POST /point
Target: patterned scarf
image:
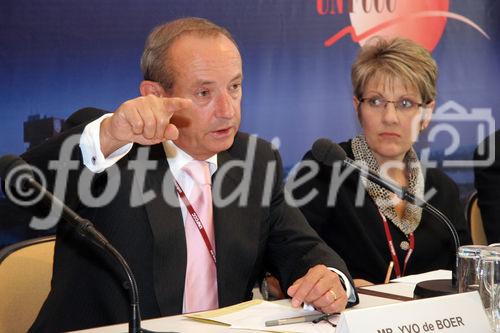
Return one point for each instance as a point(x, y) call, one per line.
point(382, 198)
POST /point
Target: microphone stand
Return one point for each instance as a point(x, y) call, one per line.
point(86, 229)
point(429, 288)
point(432, 288)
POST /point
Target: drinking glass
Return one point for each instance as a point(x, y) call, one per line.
point(489, 285)
point(468, 257)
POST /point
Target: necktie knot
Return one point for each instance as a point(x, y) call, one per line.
point(199, 172)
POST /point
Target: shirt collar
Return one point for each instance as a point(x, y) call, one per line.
point(178, 158)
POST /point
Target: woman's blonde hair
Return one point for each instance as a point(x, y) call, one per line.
point(395, 58)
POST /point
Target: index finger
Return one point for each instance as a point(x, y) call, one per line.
point(304, 287)
point(174, 104)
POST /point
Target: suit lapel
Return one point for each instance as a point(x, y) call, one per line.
point(224, 218)
point(167, 226)
point(234, 226)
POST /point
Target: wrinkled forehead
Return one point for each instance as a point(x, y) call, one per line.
point(385, 81)
point(194, 57)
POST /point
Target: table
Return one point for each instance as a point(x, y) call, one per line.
point(182, 324)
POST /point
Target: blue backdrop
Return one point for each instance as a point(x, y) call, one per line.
point(58, 56)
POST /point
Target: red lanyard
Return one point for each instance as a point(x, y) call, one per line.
point(390, 243)
point(196, 220)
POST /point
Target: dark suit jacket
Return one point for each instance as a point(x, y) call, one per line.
point(487, 182)
point(357, 233)
point(150, 236)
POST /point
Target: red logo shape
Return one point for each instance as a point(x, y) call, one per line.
point(422, 21)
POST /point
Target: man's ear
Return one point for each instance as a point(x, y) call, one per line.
point(151, 88)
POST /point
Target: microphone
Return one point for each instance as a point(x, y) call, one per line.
point(328, 152)
point(18, 174)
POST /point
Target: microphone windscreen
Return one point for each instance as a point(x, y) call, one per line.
point(327, 152)
point(10, 162)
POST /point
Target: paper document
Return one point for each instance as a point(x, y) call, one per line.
point(405, 286)
point(401, 289)
point(253, 315)
point(417, 278)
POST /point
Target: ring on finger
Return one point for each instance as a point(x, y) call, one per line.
point(333, 294)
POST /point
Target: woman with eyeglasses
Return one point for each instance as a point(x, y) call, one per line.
point(394, 85)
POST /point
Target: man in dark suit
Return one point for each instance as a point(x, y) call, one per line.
point(190, 102)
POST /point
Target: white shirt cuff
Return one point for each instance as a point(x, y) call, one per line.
point(90, 146)
point(349, 289)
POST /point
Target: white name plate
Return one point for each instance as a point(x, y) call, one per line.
point(462, 313)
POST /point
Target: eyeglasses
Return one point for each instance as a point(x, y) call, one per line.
point(378, 103)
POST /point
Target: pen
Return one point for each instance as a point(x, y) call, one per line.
point(389, 272)
point(294, 320)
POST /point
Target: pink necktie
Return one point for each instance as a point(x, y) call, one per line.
point(200, 290)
